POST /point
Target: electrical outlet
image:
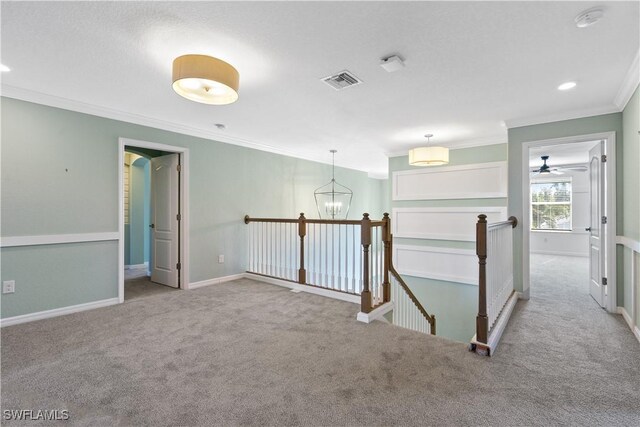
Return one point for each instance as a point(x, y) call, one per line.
point(8, 286)
point(220, 259)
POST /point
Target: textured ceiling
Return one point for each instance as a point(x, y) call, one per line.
point(470, 67)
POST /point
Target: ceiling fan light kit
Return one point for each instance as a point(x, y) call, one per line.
point(545, 169)
point(205, 79)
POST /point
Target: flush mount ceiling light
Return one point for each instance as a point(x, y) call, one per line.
point(205, 79)
point(567, 86)
point(589, 17)
point(428, 156)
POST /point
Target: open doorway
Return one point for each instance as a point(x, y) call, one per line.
point(569, 219)
point(153, 204)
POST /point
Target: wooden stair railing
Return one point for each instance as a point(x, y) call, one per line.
point(493, 294)
point(304, 251)
point(335, 262)
point(431, 319)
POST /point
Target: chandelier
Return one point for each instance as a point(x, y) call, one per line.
point(333, 199)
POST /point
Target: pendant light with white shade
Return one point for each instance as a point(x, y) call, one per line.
point(429, 156)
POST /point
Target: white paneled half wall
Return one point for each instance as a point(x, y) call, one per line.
point(453, 223)
point(452, 265)
point(474, 181)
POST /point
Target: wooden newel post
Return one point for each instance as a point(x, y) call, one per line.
point(302, 231)
point(386, 239)
point(482, 322)
point(365, 240)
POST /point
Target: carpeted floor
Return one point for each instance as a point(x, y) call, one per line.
point(254, 354)
point(142, 287)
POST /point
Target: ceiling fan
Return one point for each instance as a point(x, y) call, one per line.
point(546, 169)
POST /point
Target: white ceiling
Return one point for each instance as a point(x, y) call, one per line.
point(470, 67)
point(562, 154)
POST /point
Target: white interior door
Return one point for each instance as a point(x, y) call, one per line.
point(597, 247)
point(165, 251)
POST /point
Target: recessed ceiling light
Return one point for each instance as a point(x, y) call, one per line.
point(567, 86)
point(589, 17)
point(4, 68)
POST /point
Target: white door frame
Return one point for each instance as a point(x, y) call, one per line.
point(184, 207)
point(611, 303)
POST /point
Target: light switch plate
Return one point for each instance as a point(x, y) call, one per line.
point(220, 259)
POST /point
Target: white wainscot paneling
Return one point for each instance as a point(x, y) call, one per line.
point(574, 243)
point(452, 265)
point(475, 181)
point(454, 223)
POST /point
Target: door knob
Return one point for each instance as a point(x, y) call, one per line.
point(587, 229)
point(152, 226)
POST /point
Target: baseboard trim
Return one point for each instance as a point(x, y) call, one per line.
point(136, 266)
point(355, 299)
point(215, 281)
point(376, 313)
point(493, 340)
point(24, 318)
point(627, 318)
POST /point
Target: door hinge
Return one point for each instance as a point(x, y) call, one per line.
point(603, 158)
point(178, 266)
point(178, 217)
point(604, 219)
point(604, 281)
point(179, 168)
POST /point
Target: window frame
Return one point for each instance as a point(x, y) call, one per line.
point(548, 180)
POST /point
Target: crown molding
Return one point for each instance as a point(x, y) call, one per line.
point(567, 115)
point(378, 175)
point(109, 113)
point(457, 145)
point(629, 84)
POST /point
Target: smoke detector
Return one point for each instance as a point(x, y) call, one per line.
point(589, 17)
point(392, 63)
point(342, 80)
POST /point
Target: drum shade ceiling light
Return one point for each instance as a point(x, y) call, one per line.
point(429, 156)
point(205, 79)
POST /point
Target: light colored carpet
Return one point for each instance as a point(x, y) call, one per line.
point(142, 287)
point(247, 353)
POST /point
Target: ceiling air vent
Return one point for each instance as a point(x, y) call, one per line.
point(342, 80)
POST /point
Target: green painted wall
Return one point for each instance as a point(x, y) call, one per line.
point(630, 190)
point(566, 128)
point(53, 276)
point(455, 305)
point(59, 176)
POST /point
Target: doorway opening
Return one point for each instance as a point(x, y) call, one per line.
point(153, 204)
point(569, 219)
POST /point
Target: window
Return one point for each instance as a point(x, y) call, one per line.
point(551, 204)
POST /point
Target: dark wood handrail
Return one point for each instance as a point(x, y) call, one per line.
point(248, 219)
point(512, 221)
point(430, 318)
